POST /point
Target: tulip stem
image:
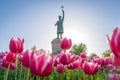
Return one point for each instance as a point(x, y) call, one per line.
point(83, 75)
point(20, 70)
point(63, 76)
point(27, 77)
point(91, 77)
point(60, 76)
point(63, 73)
point(38, 78)
point(16, 56)
point(6, 73)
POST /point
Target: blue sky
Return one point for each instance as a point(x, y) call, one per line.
point(86, 21)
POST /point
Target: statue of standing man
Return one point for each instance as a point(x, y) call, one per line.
point(59, 25)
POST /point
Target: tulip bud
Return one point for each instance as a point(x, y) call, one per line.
point(113, 76)
point(26, 58)
point(16, 45)
point(83, 55)
point(12, 66)
point(4, 62)
point(10, 57)
point(65, 58)
point(20, 57)
point(59, 68)
point(65, 43)
point(40, 63)
point(90, 68)
point(56, 61)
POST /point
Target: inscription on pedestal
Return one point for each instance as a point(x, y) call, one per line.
point(56, 46)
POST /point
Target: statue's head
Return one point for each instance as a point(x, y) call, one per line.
point(59, 17)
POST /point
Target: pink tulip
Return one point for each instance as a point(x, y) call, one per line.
point(60, 68)
point(112, 68)
point(116, 61)
point(106, 61)
point(74, 65)
point(2, 54)
point(70, 66)
point(65, 58)
point(113, 76)
point(77, 64)
point(12, 66)
point(73, 57)
point(20, 57)
point(65, 43)
point(89, 59)
point(114, 42)
point(10, 57)
point(26, 58)
point(16, 45)
point(90, 68)
point(97, 60)
point(0, 65)
point(56, 61)
point(41, 64)
point(83, 55)
point(4, 62)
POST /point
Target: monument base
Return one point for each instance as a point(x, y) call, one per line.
point(56, 46)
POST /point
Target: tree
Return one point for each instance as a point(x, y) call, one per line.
point(77, 49)
point(33, 48)
point(93, 55)
point(107, 53)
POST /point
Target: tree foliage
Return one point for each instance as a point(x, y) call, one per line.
point(93, 55)
point(107, 53)
point(77, 49)
point(33, 48)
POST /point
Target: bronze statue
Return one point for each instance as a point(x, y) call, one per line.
point(59, 24)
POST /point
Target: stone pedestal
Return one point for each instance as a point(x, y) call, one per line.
point(56, 46)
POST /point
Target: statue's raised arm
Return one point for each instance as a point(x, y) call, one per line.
point(63, 13)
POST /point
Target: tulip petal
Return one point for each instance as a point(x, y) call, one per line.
point(113, 47)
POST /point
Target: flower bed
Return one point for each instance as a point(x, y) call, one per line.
point(39, 65)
